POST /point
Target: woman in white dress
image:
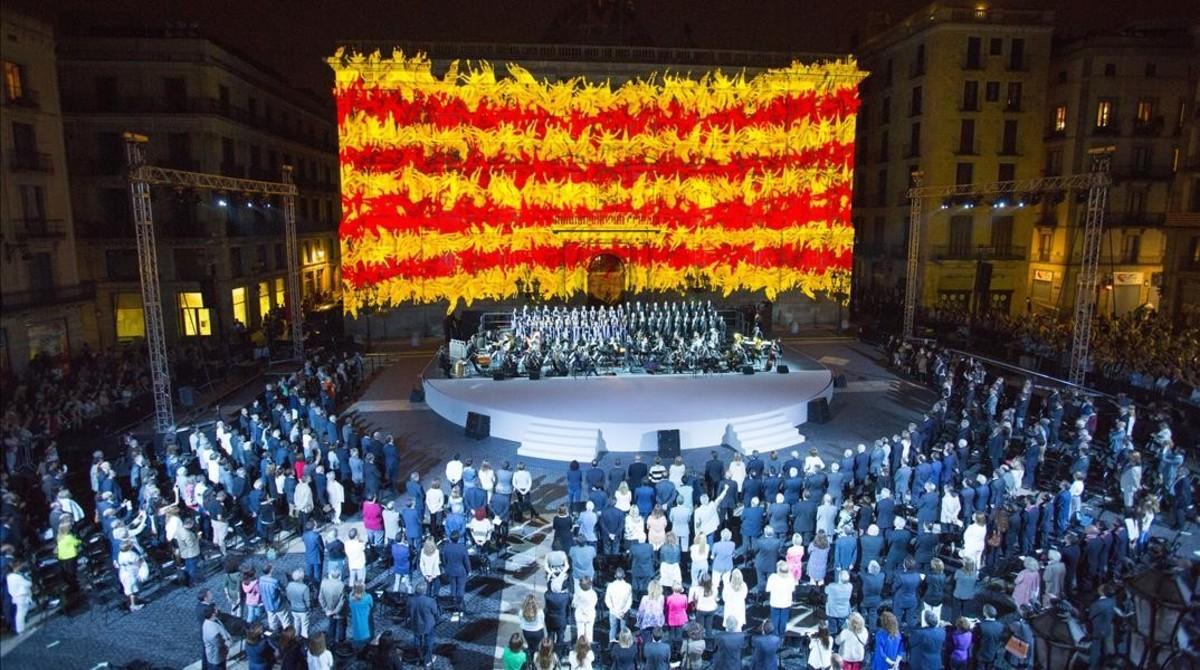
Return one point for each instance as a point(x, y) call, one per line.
point(337, 496)
point(676, 471)
point(635, 526)
point(129, 563)
point(737, 471)
point(430, 565)
point(733, 599)
point(699, 554)
point(975, 539)
point(623, 497)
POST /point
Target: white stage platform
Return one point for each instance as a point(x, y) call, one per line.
point(565, 418)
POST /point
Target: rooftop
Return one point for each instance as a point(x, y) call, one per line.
point(885, 32)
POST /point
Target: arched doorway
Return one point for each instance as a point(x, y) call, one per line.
point(605, 280)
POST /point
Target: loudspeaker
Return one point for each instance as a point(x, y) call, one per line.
point(818, 410)
point(479, 426)
point(668, 443)
point(535, 375)
point(781, 369)
point(416, 395)
point(747, 369)
point(499, 376)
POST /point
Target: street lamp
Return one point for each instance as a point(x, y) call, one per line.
point(1161, 596)
point(1058, 637)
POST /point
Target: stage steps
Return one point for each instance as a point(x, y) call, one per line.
point(560, 441)
point(762, 433)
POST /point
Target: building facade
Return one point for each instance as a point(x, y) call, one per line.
point(46, 308)
point(957, 94)
point(1127, 90)
point(204, 108)
point(1181, 263)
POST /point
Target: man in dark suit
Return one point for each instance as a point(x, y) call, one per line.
point(730, 645)
point(637, 471)
point(714, 471)
point(616, 475)
point(766, 649)
point(656, 654)
point(991, 632)
point(314, 552)
point(423, 612)
point(456, 566)
point(765, 558)
point(1100, 619)
point(925, 644)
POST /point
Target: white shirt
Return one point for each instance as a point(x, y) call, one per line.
point(430, 565)
point(704, 603)
point(819, 656)
point(356, 554)
point(19, 586)
point(522, 481)
point(779, 588)
point(322, 662)
point(618, 597)
point(951, 506)
point(337, 493)
point(454, 471)
point(811, 463)
point(675, 474)
point(851, 646)
point(735, 602)
point(435, 500)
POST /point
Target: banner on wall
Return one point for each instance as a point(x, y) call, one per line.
point(1127, 278)
point(457, 187)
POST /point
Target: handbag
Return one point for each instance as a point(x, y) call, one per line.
point(143, 572)
point(1017, 647)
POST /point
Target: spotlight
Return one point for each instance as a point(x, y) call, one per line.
point(222, 203)
point(249, 205)
point(968, 204)
point(1000, 203)
point(945, 204)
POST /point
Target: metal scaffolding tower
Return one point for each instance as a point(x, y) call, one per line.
point(141, 177)
point(1096, 182)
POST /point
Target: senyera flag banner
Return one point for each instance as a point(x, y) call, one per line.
point(470, 185)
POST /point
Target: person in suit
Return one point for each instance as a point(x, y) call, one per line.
point(730, 645)
point(656, 654)
point(766, 649)
point(991, 633)
point(314, 552)
point(1100, 619)
point(423, 613)
point(456, 566)
point(925, 644)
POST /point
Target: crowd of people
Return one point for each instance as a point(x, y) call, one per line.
point(929, 548)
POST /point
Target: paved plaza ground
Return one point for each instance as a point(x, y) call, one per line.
point(166, 632)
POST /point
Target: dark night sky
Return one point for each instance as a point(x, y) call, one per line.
point(292, 37)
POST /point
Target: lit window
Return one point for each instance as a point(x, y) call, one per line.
point(1145, 111)
point(264, 299)
point(14, 81)
point(194, 314)
point(279, 294)
point(1060, 118)
point(238, 296)
point(1104, 113)
point(130, 319)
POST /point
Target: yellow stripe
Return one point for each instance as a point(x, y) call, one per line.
point(594, 146)
point(713, 92)
point(449, 188)
point(383, 245)
point(498, 284)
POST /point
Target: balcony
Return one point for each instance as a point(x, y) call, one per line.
point(27, 99)
point(1055, 134)
point(1130, 172)
point(31, 161)
point(1111, 129)
point(39, 228)
point(1132, 220)
point(45, 297)
point(957, 252)
point(1149, 128)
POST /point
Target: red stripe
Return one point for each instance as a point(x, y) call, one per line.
point(397, 212)
point(391, 160)
point(574, 255)
point(447, 111)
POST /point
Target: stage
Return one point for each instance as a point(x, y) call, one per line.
point(565, 418)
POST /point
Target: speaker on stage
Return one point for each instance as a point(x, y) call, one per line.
point(499, 376)
point(818, 410)
point(747, 369)
point(668, 443)
point(535, 375)
point(479, 426)
point(781, 369)
point(417, 394)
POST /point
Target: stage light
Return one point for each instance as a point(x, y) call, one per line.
point(946, 204)
point(1000, 204)
point(249, 205)
point(221, 202)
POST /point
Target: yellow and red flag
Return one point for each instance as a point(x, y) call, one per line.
point(456, 187)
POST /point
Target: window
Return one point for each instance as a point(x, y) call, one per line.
point(280, 257)
point(1145, 111)
point(121, 265)
point(33, 206)
point(228, 156)
point(915, 108)
point(960, 236)
point(991, 92)
point(1045, 245)
point(1002, 235)
point(885, 111)
point(193, 315)
point(1176, 156)
point(1104, 114)
point(129, 317)
point(1137, 203)
point(1141, 159)
point(235, 263)
point(966, 136)
point(1054, 161)
point(238, 297)
point(264, 299)
point(919, 61)
point(881, 194)
point(964, 173)
point(175, 92)
point(1008, 142)
point(1060, 119)
point(970, 98)
point(996, 47)
point(223, 97)
point(887, 73)
point(974, 60)
point(1012, 102)
point(191, 264)
point(1006, 172)
point(280, 296)
point(1016, 55)
point(14, 82)
point(24, 144)
point(1131, 248)
point(1181, 117)
point(1151, 70)
point(1110, 69)
point(883, 146)
point(179, 150)
point(914, 140)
